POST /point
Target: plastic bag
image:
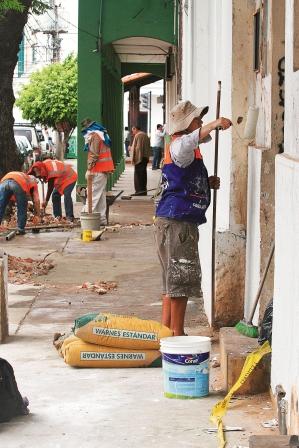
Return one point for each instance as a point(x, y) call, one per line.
point(265, 329)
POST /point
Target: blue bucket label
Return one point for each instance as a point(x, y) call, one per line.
point(185, 359)
point(186, 375)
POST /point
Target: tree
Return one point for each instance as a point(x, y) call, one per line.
point(13, 17)
point(50, 98)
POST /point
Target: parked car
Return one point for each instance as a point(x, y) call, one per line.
point(25, 151)
point(28, 130)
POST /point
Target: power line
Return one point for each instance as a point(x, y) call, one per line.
point(77, 27)
point(28, 37)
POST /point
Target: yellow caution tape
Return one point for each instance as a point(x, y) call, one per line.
point(219, 410)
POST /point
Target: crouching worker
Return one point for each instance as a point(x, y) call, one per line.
point(184, 201)
point(22, 187)
point(61, 179)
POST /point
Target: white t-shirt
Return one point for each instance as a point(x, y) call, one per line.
point(159, 139)
point(182, 148)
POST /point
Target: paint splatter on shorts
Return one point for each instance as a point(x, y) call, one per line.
point(177, 247)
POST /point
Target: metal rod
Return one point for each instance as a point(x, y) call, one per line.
point(213, 264)
point(43, 212)
point(257, 297)
point(11, 235)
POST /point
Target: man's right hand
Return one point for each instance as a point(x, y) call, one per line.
point(223, 123)
point(87, 174)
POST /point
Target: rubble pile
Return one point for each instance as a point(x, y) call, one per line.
point(100, 287)
point(46, 220)
point(23, 270)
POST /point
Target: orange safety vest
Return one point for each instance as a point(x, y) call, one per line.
point(24, 180)
point(104, 163)
point(62, 173)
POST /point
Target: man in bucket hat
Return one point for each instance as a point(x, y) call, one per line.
point(184, 201)
point(99, 164)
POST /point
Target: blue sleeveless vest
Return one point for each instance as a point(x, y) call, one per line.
point(185, 191)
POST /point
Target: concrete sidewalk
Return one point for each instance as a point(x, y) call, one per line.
point(115, 408)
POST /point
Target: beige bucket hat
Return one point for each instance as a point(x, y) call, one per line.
point(182, 115)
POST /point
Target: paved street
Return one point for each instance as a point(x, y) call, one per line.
point(118, 408)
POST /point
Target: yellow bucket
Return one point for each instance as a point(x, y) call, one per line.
point(87, 235)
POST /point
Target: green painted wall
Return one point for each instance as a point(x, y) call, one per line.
point(89, 74)
point(100, 90)
point(147, 18)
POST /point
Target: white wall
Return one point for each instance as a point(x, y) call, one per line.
point(291, 89)
point(285, 356)
point(207, 57)
point(156, 89)
point(253, 230)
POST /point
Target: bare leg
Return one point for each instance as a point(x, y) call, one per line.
point(166, 304)
point(177, 311)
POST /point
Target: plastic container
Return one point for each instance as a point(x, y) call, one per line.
point(90, 221)
point(185, 361)
point(86, 235)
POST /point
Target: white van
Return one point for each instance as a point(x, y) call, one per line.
point(28, 130)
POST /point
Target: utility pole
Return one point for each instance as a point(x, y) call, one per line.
point(55, 31)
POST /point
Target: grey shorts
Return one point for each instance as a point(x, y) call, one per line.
point(177, 247)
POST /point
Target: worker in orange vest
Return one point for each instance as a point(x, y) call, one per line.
point(99, 164)
point(22, 187)
point(61, 179)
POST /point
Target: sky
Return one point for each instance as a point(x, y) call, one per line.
point(69, 21)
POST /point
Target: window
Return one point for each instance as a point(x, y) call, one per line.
point(256, 40)
point(21, 59)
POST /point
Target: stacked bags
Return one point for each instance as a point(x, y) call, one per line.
point(109, 340)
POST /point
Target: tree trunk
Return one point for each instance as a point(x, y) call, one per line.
point(11, 32)
point(66, 129)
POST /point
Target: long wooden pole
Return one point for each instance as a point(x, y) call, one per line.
point(213, 265)
point(89, 194)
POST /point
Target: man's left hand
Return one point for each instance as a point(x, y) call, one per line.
point(214, 182)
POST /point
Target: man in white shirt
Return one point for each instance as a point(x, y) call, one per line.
point(158, 146)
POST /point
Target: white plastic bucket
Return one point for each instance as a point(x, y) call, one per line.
point(185, 361)
point(90, 221)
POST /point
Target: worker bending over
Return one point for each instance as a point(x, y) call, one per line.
point(61, 180)
point(22, 187)
point(184, 201)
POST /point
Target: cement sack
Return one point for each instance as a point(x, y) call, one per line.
point(113, 330)
point(78, 353)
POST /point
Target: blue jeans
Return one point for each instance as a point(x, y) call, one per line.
point(9, 188)
point(68, 202)
point(127, 144)
point(157, 155)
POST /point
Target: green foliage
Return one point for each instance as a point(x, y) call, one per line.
point(39, 7)
point(14, 5)
point(51, 95)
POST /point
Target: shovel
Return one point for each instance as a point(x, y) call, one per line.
point(128, 197)
point(89, 194)
point(43, 210)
